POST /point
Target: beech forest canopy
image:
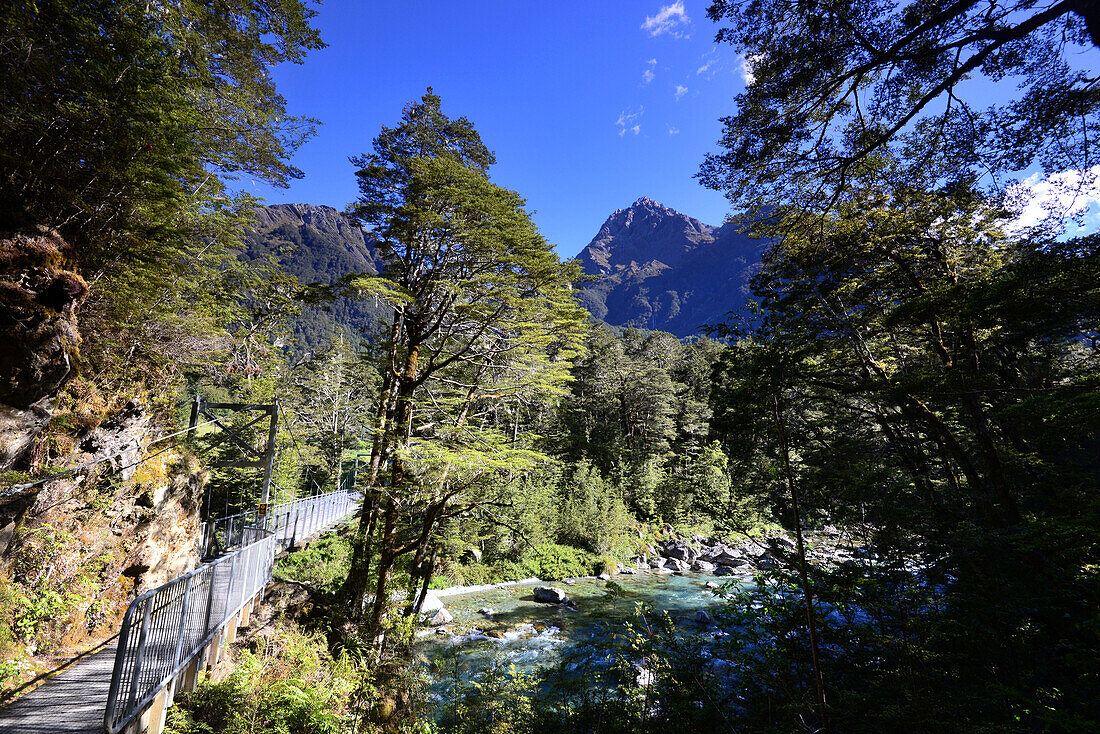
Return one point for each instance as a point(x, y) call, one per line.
point(838, 86)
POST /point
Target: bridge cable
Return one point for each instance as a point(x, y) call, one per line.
point(85, 465)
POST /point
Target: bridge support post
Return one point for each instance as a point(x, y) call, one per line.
point(231, 630)
point(189, 677)
point(158, 712)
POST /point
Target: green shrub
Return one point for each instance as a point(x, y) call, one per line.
point(293, 686)
point(548, 561)
point(325, 563)
point(552, 562)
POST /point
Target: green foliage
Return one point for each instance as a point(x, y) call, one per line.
point(324, 564)
point(549, 562)
point(484, 324)
point(916, 356)
point(292, 687)
point(593, 514)
point(119, 118)
point(839, 91)
point(498, 702)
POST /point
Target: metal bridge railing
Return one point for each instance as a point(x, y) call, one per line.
point(166, 628)
point(290, 521)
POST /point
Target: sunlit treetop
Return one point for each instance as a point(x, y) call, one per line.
point(975, 90)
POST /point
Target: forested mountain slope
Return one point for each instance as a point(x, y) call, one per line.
point(316, 244)
point(660, 269)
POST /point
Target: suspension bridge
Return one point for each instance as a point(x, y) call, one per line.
point(172, 634)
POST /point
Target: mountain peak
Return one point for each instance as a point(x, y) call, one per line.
point(661, 269)
point(647, 232)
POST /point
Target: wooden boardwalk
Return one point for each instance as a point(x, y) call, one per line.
point(71, 702)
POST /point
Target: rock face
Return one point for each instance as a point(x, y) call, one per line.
point(122, 434)
point(38, 333)
point(18, 429)
point(550, 595)
point(660, 269)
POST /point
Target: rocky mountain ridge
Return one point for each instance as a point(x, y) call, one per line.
point(657, 268)
point(317, 244)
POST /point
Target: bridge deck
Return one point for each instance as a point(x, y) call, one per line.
point(75, 700)
point(72, 702)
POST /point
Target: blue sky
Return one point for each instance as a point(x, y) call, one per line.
point(587, 105)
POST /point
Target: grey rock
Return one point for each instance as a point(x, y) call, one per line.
point(120, 436)
point(39, 340)
point(701, 617)
point(19, 427)
point(550, 595)
point(702, 567)
point(675, 564)
point(441, 618)
point(680, 551)
point(663, 268)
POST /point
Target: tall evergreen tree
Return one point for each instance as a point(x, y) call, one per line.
point(483, 316)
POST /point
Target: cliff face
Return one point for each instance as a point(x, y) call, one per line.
point(659, 269)
point(75, 551)
point(38, 333)
point(316, 243)
point(647, 232)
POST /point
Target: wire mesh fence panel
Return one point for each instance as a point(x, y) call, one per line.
point(289, 521)
point(166, 628)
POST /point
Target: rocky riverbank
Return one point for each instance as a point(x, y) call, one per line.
point(723, 557)
point(678, 555)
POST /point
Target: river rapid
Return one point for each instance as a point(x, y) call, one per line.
point(505, 625)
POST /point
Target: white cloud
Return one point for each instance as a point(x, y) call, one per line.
point(652, 62)
point(709, 59)
point(748, 68)
point(681, 90)
point(647, 76)
point(670, 19)
point(1049, 202)
point(673, 130)
point(628, 121)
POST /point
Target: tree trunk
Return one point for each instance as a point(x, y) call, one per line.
point(807, 593)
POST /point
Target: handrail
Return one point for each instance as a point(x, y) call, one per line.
point(225, 533)
point(166, 628)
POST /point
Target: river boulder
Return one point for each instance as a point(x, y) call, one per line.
point(675, 564)
point(441, 618)
point(550, 595)
point(702, 567)
point(680, 551)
